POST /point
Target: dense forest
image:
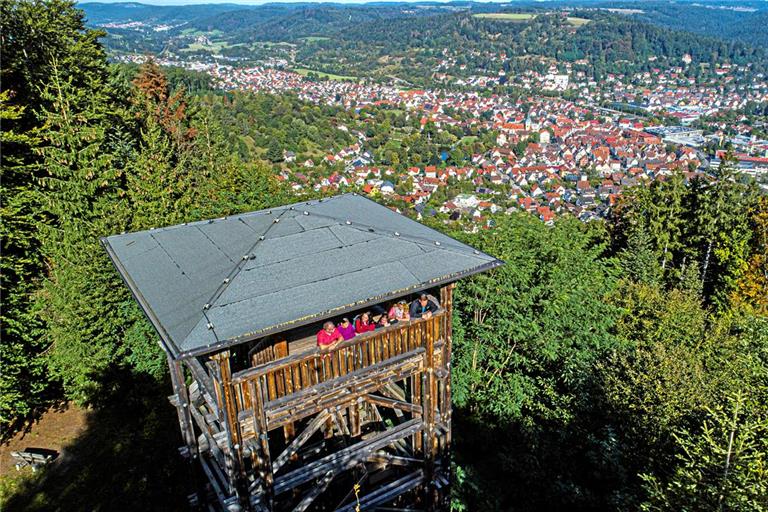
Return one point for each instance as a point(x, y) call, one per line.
point(607, 366)
point(742, 21)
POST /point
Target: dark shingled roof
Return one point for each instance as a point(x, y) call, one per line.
point(206, 285)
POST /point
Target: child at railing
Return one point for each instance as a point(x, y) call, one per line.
point(399, 312)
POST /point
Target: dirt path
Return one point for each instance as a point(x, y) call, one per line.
point(57, 428)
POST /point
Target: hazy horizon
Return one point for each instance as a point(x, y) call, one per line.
point(178, 3)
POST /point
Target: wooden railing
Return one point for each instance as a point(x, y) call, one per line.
point(293, 374)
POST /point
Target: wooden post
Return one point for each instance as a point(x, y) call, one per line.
point(446, 296)
point(429, 411)
point(184, 410)
point(258, 398)
point(183, 406)
point(225, 397)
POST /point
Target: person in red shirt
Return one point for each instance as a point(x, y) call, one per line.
point(364, 323)
point(329, 336)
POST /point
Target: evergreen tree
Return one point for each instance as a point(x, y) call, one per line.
point(81, 198)
point(722, 466)
point(37, 37)
point(23, 378)
point(274, 152)
point(638, 260)
point(719, 232)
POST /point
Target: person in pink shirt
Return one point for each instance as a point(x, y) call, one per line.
point(346, 329)
point(364, 323)
point(329, 336)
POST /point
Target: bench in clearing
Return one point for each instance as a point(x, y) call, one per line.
point(32, 459)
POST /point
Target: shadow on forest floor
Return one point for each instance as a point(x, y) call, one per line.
point(549, 468)
point(126, 457)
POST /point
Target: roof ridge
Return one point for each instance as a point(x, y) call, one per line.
point(395, 234)
point(241, 262)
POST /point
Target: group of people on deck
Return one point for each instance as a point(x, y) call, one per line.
point(331, 334)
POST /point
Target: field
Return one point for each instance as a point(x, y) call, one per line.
point(329, 76)
point(214, 47)
point(197, 32)
point(314, 39)
point(519, 17)
point(506, 16)
point(577, 22)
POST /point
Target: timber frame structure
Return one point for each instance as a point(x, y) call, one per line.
point(272, 422)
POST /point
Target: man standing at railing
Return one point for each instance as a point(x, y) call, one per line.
point(424, 307)
point(329, 336)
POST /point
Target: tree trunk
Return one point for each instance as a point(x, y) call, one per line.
point(706, 263)
point(728, 454)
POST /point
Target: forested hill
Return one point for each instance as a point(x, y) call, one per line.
point(744, 21)
point(407, 41)
point(600, 42)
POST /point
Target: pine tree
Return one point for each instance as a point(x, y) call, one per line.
point(722, 467)
point(36, 37)
point(638, 260)
point(274, 152)
point(719, 234)
point(22, 379)
point(81, 200)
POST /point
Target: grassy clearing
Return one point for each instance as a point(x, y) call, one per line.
point(330, 76)
point(577, 22)
point(214, 47)
point(521, 16)
point(314, 39)
point(505, 16)
point(198, 32)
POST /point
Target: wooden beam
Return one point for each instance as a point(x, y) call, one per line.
point(297, 443)
point(219, 367)
point(386, 493)
point(204, 382)
point(215, 485)
point(341, 423)
point(429, 392)
point(354, 418)
point(263, 461)
point(183, 406)
point(388, 458)
point(316, 491)
point(345, 458)
point(393, 404)
point(335, 393)
point(394, 391)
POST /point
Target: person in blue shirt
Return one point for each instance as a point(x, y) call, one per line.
point(423, 307)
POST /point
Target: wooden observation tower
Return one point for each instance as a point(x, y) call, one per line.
point(273, 422)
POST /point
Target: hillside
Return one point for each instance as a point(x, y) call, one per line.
point(408, 41)
point(741, 21)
